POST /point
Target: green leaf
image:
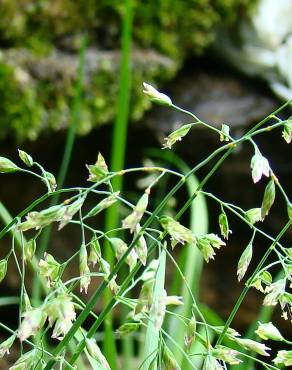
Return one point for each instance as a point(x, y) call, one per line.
point(29, 249)
point(128, 328)
point(105, 203)
point(152, 338)
point(26, 158)
point(224, 134)
point(6, 166)
point(132, 220)
point(253, 215)
point(176, 135)
point(268, 199)
point(99, 170)
point(244, 261)
point(289, 211)
point(287, 131)
point(224, 226)
point(3, 269)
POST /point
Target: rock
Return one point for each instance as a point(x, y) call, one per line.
point(45, 88)
point(63, 65)
point(215, 98)
point(265, 46)
point(174, 28)
point(43, 85)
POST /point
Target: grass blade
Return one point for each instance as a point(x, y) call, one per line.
point(7, 218)
point(152, 333)
point(119, 141)
point(264, 315)
point(45, 238)
point(191, 259)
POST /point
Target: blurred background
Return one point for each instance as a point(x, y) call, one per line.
point(71, 76)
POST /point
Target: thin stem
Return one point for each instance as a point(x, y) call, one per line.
point(198, 121)
point(119, 141)
point(24, 170)
point(120, 263)
point(103, 286)
point(66, 155)
point(88, 308)
point(247, 287)
point(232, 208)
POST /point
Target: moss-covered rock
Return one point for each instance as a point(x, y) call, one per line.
point(21, 112)
point(36, 92)
point(40, 40)
point(173, 27)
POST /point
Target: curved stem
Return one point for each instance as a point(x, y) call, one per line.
point(247, 287)
point(110, 305)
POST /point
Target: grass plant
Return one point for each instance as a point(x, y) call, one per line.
point(118, 152)
point(69, 146)
point(169, 325)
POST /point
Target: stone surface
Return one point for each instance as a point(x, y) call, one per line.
point(175, 28)
point(45, 85)
point(214, 97)
point(47, 35)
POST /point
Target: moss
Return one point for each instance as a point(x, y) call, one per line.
point(37, 91)
point(20, 110)
point(37, 80)
point(173, 27)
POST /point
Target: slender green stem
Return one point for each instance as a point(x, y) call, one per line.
point(233, 208)
point(81, 318)
point(104, 284)
point(118, 150)
point(152, 332)
point(110, 176)
point(9, 226)
point(263, 316)
point(24, 170)
point(87, 310)
point(247, 286)
point(66, 155)
point(191, 258)
point(198, 121)
point(6, 217)
point(7, 301)
point(75, 116)
point(108, 308)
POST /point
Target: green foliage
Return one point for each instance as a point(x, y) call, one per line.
point(172, 27)
point(21, 111)
point(36, 91)
point(64, 311)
